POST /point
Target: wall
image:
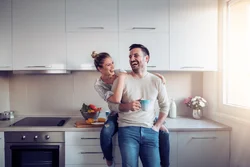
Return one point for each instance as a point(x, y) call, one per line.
point(235, 117)
point(63, 95)
point(4, 92)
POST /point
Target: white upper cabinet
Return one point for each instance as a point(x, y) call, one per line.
point(193, 35)
point(144, 15)
point(157, 44)
point(39, 40)
point(5, 35)
point(91, 25)
point(81, 45)
point(91, 15)
point(145, 22)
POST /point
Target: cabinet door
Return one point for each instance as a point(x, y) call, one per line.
point(82, 138)
point(193, 35)
point(157, 43)
point(5, 34)
point(81, 45)
point(144, 15)
point(39, 34)
point(173, 149)
point(203, 149)
point(91, 15)
point(88, 155)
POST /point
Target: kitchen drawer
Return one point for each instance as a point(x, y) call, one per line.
point(82, 138)
point(83, 155)
point(117, 154)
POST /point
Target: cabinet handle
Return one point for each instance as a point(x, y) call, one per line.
point(90, 152)
point(93, 28)
point(191, 67)
point(151, 66)
point(38, 66)
point(203, 138)
point(4, 66)
point(83, 138)
point(143, 28)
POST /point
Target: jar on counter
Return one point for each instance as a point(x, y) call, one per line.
point(11, 114)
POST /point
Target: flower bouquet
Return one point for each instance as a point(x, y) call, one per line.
point(196, 103)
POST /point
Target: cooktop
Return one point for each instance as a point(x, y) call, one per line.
point(41, 121)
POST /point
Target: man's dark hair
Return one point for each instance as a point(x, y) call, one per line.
point(143, 48)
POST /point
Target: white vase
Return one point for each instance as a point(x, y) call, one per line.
point(197, 113)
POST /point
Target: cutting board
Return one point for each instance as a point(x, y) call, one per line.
point(83, 124)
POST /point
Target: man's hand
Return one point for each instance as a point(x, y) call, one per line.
point(155, 128)
point(135, 105)
point(132, 106)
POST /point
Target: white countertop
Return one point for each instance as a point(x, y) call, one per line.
point(179, 124)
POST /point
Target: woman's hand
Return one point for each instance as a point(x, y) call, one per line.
point(161, 77)
point(164, 128)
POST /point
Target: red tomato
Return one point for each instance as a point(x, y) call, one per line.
point(92, 106)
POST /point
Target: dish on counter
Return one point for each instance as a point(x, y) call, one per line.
point(97, 123)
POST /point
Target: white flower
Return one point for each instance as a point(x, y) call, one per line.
point(202, 104)
point(203, 100)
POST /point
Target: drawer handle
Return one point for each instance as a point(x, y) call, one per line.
point(83, 138)
point(151, 66)
point(204, 138)
point(191, 67)
point(38, 66)
point(4, 66)
point(90, 153)
point(93, 28)
point(143, 28)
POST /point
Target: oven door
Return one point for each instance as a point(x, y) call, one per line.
point(34, 155)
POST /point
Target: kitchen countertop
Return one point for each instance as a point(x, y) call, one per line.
point(179, 124)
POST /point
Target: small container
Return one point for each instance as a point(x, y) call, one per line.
point(173, 108)
point(12, 114)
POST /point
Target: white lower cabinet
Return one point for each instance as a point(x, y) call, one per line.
point(83, 149)
point(2, 162)
point(187, 149)
point(173, 149)
point(203, 149)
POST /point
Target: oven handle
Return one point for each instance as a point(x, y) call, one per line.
point(47, 147)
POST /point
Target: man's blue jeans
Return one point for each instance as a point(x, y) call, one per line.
point(139, 141)
point(110, 128)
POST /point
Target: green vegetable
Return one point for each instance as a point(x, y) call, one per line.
point(84, 108)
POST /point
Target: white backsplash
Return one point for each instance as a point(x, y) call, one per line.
point(4, 92)
point(51, 95)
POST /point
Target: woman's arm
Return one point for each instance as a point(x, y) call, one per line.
point(117, 96)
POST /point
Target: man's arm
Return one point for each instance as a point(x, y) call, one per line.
point(163, 102)
point(160, 121)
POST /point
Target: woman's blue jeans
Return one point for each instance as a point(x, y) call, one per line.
point(108, 131)
point(111, 127)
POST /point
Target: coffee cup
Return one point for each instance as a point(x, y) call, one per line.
point(145, 105)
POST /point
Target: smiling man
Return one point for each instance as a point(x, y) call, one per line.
point(138, 135)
